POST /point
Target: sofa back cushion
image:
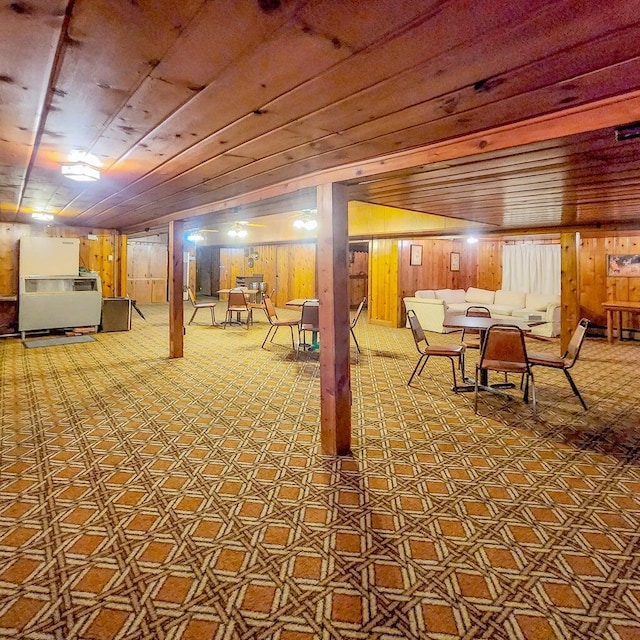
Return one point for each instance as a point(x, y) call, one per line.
point(450, 295)
point(479, 296)
point(540, 301)
point(425, 293)
point(515, 299)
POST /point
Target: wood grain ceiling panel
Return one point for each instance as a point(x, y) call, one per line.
point(584, 179)
point(194, 103)
point(24, 74)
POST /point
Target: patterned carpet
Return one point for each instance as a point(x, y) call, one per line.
point(142, 497)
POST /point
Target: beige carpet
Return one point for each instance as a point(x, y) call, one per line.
point(142, 497)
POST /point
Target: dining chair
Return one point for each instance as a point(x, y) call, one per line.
point(200, 305)
point(355, 321)
point(471, 337)
point(567, 359)
point(258, 305)
point(426, 350)
point(309, 321)
point(275, 323)
point(237, 304)
point(504, 350)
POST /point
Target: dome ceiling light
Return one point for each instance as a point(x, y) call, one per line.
point(82, 167)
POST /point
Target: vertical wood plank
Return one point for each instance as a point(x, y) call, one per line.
point(176, 275)
point(333, 280)
point(569, 287)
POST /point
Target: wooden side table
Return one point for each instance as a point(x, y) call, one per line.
point(617, 308)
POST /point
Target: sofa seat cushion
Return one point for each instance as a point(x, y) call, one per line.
point(513, 299)
point(458, 308)
point(450, 295)
point(479, 296)
point(501, 310)
point(540, 301)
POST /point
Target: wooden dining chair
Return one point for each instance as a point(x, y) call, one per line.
point(426, 350)
point(200, 305)
point(567, 359)
point(275, 323)
point(504, 350)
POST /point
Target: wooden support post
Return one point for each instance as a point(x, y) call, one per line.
point(176, 275)
point(569, 287)
point(333, 288)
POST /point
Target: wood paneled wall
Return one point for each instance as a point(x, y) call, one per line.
point(391, 277)
point(384, 298)
point(97, 255)
point(435, 271)
point(147, 271)
point(290, 269)
point(595, 286)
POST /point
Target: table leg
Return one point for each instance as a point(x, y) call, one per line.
point(610, 326)
point(619, 326)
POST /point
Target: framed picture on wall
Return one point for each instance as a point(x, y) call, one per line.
point(454, 264)
point(623, 265)
point(415, 257)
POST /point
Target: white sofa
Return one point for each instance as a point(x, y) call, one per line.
point(431, 306)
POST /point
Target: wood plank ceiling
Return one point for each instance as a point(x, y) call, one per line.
point(193, 103)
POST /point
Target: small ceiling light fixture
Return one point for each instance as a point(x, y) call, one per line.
point(238, 231)
point(82, 167)
point(195, 237)
point(305, 221)
point(43, 217)
point(472, 240)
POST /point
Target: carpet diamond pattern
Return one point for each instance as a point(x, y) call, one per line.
point(147, 498)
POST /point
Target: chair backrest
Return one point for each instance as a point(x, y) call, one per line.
point(504, 350)
point(310, 318)
point(237, 299)
point(192, 296)
point(575, 344)
point(416, 330)
point(358, 311)
point(271, 310)
point(476, 312)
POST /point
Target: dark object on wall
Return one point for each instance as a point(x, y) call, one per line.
point(628, 131)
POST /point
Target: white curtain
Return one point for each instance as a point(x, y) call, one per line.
point(531, 268)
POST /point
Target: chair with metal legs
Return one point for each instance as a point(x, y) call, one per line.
point(504, 350)
point(355, 321)
point(200, 305)
point(568, 358)
point(237, 304)
point(426, 350)
point(275, 323)
point(309, 321)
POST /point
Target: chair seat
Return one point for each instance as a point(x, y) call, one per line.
point(547, 360)
point(471, 343)
point(444, 350)
point(504, 365)
point(284, 323)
